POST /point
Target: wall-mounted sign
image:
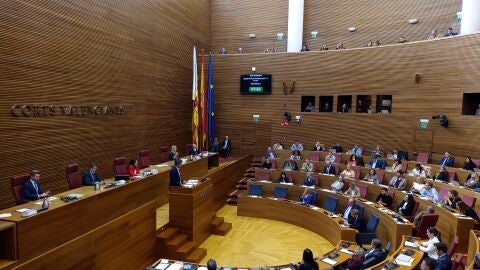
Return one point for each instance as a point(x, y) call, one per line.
point(66, 110)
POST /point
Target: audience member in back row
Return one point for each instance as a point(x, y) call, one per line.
point(447, 160)
point(356, 261)
point(330, 158)
point(402, 39)
point(283, 178)
point(353, 190)
point(307, 166)
point(296, 155)
point(344, 109)
point(469, 165)
point(357, 150)
point(309, 180)
point(329, 168)
point(430, 211)
point(337, 148)
point(352, 160)
point(371, 176)
point(340, 46)
point(398, 181)
point(442, 175)
point(467, 211)
point(309, 107)
point(278, 146)
point(270, 153)
point(430, 192)
point(133, 169)
point(433, 34)
point(377, 163)
point(337, 186)
point(429, 246)
point(290, 165)
point(318, 147)
point(31, 190)
point(348, 172)
point(223, 51)
point(308, 262)
point(406, 206)
point(240, 51)
point(450, 33)
point(384, 198)
point(307, 197)
point(452, 198)
point(305, 48)
point(356, 220)
point(397, 165)
point(473, 182)
point(375, 252)
point(214, 147)
point(297, 146)
point(267, 164)
point(173, 153)
point(90, 176)
point(324, 47)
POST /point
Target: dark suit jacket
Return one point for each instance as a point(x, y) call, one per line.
point(378, 254)
point(379, 165)
point(339, 149)
point(89, 180)
point(193, 152)
point(175, 179)
point(469, 212)
point(357, 223)
point(408, 209)
point(28, 191)
point(448, 162)
point(386, 199)
point(444, 263)
point(171, 155)
point(267, 154)
point(355, 206)
point(330, 170)
point(229, 144)
point(309, 181)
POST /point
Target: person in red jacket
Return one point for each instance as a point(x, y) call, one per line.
point(133, 169)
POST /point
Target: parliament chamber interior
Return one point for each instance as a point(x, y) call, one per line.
point(229, 135)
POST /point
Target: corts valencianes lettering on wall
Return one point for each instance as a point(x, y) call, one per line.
point(33, 110)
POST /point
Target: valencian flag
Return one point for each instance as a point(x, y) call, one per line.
point(195, 99)
point(203, 108)
point(211, 101)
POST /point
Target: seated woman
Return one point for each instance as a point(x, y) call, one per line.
point(468, 164)
point(330, 157)
point(429, 246)
point(356, 261)
point(318, 147)
point(473, 182)
point(307, 166)
point(442, 175)
point(290, 165)
point(418, 185)
point(353, 190)
point(307, 197)
point(452, 198)
point(278, 146)
point(397, 165)
point(309, 180)
point(371, 176)
point(337, 186)
point(267, 164)
point(133, 169)
point(173, 153)
point(419, 171)
point(308, 262)
point(406, 206)
point(295, 155)
point(467, 211)
point(348, 172)
point(352, 160)
point(283, 178)
point(384, 198)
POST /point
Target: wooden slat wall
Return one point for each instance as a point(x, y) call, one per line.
point(374, 19)
point(448, 67)
point(131, 53)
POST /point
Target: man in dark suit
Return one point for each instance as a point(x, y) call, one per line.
point(329, 168)
point(225, 147)
point(347, 213)
point(90, 176)
point(309, 181)
point(31, 190)
point(443, 262)
point(375, 252)
point(337, 148)
point(376, 163)
point(447, 160)
point(193, 151)
point(356, 221)
point(175, 176)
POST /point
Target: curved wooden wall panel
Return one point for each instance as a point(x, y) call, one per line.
point(447, 67)
point(232, 21)
point(131, 53)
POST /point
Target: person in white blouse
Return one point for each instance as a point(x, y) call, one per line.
point(307, 166)
point(330, 157)
point(348, 172)
point(420, 171)
point(337, 186)
point(429, 246)
point(353, 190)
point(418, 185)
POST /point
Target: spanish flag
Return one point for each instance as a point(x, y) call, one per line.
point(195, 99)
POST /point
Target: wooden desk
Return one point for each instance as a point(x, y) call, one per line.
point(342, 259)
point(313, 219)
point(8, 242)
point(473, 248)
point(417, 257)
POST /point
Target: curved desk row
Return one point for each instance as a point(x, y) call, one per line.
point(406, 248)
point(473, 249)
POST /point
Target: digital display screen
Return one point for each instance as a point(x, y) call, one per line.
point(256, 84)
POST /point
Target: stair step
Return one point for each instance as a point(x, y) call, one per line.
point(232, 201)
point(186, 249)
point(217, 221)
point(177, 241)
point(223, 229)
point(167, 234)
point(251, 170)
point(197, 255)
point(241, 187)
point(244, 181)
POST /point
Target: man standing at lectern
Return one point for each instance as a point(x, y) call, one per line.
point(175, 176)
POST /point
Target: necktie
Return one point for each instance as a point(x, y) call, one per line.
point(328, 169)
point(345, 215)
point(93, 177)
point(36, 187)
point(397, 183)
point(179, 175)
point(444, 161)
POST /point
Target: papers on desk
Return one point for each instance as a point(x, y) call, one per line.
point(161, 165)
point(403, 259)
point(162, 265)
point(202, 268)
point(329, 261)
point(344, 250)
point(290, 184)
point(315, 208)
point(175, 266)
point(5, 215)
point(410, 244)
point(344, 226)
point(334, 216)
point(368, 202)
point(23, 210)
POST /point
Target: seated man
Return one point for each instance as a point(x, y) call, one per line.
point(337, 186)
point(307, 197)
point(473, 182)
point(376, 163)
point(267, 164)
point(398, 181)
point(31, 190)
point(447, 160)
point(353, 190)
point(330, 158)
point(225, 147)
point(90, 176)
point(193, 151)
point(270, 153)
point(309, 180)
point(430, 192)
point(307, 166)
point(375, 252)
point(384, 198)
point(356, 221)
point(450, 33)
point(329, 168)
point(428, 264)
point(290, 165)
point(430, 211)
point(357, 150)
point(337, 148)
point(443, 262)
point(351, 205)
point(297, 146)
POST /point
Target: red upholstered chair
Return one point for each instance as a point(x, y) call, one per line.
point(264, 175)
point(363, 191)
point(423, 157)
point(314, 167)
point(453, 246)
point(188, 147)
point(426, 222)
point(469, 200)
point(289, 175)
point(315, 179)
point(356, 170)
point(442, 193)
point(73, 179)
point(338, 158)
point(144, 159)
point(163, 154)
point(17, 184)
point(392, 194)
point(314, 156)
point(477, 162)
point(414, 211)
point(380, 176)
point(337, 168)
point(452, 176)
point(119, 166)
point(274, 164)
point(404, 166)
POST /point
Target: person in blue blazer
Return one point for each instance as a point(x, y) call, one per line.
point(443, 262)
point(90, 176)
point(307, 197)
point(175, 175)
point(447, 160)
point(375, 252)
point(377, 163)
point(31, 190)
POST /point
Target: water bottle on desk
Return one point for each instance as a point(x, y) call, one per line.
point(45, 203)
